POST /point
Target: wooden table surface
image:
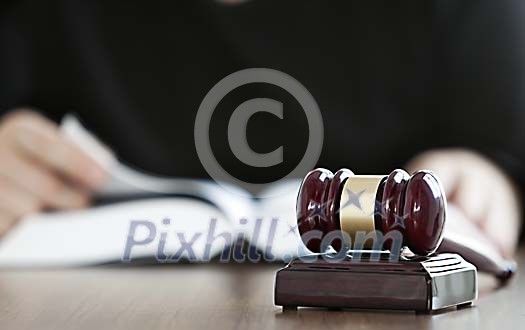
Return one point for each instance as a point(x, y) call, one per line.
point(214, 296)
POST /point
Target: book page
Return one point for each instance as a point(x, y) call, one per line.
point(101, 234)
point(279, 211)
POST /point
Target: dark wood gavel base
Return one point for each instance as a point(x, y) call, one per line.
point(422, 285)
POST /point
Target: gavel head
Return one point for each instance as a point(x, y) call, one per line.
point(414, 206)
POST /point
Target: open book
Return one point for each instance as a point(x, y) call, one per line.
point(151, 217)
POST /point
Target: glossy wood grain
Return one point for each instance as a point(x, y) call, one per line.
point(214, 296)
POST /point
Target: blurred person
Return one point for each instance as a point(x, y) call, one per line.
point(414, 84)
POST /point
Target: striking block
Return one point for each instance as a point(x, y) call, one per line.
point(422, 284)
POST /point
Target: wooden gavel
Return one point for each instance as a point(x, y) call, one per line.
point(413, 205)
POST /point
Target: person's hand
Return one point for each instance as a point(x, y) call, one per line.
point(480, 189)
point(40, 169)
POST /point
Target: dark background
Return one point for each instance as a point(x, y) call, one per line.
point(392, 78)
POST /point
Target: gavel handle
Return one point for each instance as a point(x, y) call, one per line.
point(484, 258)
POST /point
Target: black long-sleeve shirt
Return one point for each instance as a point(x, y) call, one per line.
point(392, 78)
